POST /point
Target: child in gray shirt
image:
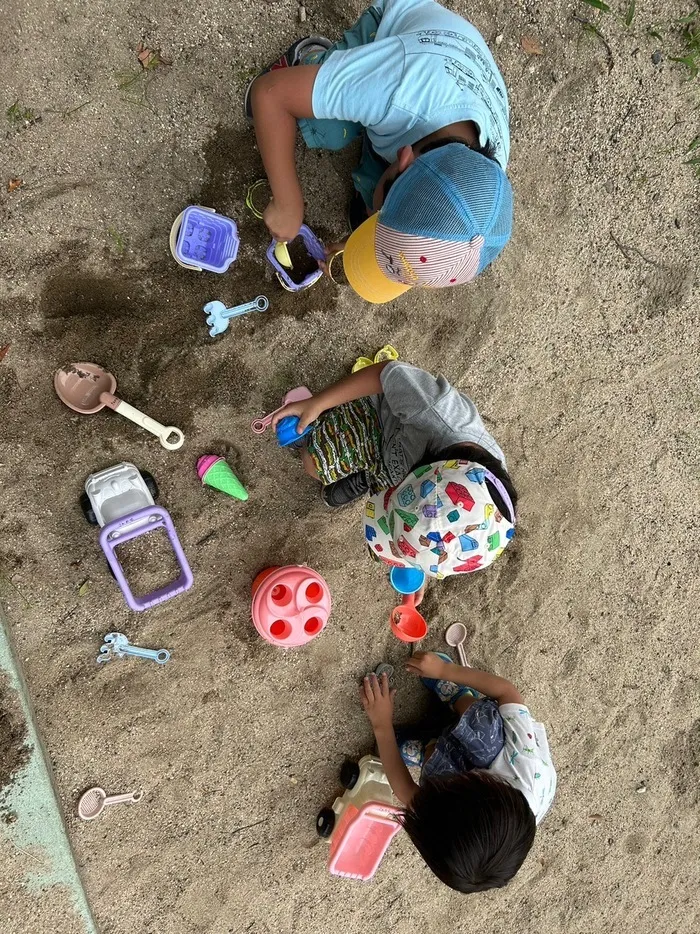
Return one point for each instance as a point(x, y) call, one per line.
point(374, 427)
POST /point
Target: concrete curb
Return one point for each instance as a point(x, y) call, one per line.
point(33, 838)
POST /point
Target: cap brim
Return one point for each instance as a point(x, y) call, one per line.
point(362, 269)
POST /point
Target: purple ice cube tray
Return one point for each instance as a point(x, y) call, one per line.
point(206, 239)
point(314, 248)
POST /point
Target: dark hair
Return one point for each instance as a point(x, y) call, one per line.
point(473, 830)
point(488, 150)
point(482, 457)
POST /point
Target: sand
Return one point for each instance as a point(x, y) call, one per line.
point(581, 351)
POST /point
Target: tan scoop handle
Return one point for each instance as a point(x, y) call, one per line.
point(132, 798)
point(162, 432)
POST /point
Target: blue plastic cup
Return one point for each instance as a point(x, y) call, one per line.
point(287, 434)
point(406, 580)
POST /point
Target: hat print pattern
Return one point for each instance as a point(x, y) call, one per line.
point(424, 261)
point(441, 519)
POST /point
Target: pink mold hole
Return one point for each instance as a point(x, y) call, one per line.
point(314, 593)
point(313, 625)
point(281, 595)
point(281, 629)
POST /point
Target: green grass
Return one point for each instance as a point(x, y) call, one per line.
point(681, 36)
point(689, 27)
point(118, 240)
point(694, 161)
point(18, 115)
point(137, 81)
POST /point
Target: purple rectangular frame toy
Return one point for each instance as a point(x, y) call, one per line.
point(132, 526)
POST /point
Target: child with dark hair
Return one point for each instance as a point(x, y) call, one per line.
point(440, 497)
point(485, 783)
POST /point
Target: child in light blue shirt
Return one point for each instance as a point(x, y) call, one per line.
point(409, 77)
point(425, 68)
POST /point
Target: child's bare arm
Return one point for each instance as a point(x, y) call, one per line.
point(378, 701)
point(429, 665)
point(366, 382)
point(278, 99)
point(397, 774)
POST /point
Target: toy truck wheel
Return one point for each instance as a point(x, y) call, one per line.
point(325, 822)
point(87, 509)
point(150, 482)
point(349, 773)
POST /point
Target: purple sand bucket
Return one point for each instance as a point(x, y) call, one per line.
point(316, 251)
point(204, 240)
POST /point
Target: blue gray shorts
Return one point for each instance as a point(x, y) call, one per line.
point(337, 134)
point(472, 743)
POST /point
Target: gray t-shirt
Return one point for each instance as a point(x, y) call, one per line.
point(418, 413)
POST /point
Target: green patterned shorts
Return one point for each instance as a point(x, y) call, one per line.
point(348, 440)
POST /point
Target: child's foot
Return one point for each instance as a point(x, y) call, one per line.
point(294, 55)
point(447, 691)
point(345, 491)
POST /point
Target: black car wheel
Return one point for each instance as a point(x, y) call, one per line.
point(87, 509)
point(325, 822)
point(349, 773)
point(150, 482)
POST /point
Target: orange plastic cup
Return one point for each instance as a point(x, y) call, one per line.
point(406, 622)
point(261, 577)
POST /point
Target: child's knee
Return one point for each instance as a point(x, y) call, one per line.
point(309, 464)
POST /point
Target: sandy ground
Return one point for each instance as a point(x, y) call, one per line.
point(583, 358)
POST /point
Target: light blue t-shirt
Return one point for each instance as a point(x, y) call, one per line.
point(426, 68)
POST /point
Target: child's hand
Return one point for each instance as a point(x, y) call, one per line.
point(307, 411)
point(284, 219)
point(335, 249)
point(426, 665)
point(378, 700)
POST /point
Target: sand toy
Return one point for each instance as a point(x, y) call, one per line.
point(362, 822)
point(291, 605)
point(87, 388)
point(121, 501)
point(201, 239)
point(218, 315)
point(259, 425)
point(213, 471)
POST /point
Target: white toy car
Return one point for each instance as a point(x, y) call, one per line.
point(121, 500)
point(116, 492)
point(362, 822)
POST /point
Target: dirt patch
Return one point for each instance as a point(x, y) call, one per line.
point(303, 264)
point(148, 562)
point(14, 752)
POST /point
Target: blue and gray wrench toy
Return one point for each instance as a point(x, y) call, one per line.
point(218, 315)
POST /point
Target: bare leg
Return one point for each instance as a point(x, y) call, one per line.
point(463, 703)
point(308, 463)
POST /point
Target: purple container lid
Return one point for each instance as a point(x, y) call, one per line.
point(314, 248)
point(207, 239)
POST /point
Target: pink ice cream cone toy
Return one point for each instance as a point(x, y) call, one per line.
point(291, 605)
